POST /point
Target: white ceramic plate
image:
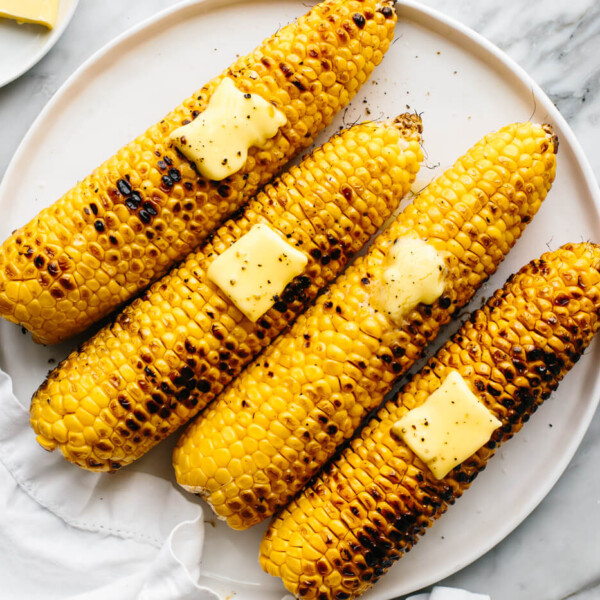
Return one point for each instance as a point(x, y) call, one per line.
point(464, 87)
point(23, 46)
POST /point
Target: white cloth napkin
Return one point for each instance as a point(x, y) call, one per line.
point(71, 534)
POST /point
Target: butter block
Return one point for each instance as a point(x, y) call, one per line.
point(414, 273)
point(255, 269)
point(217, 140)
point(451, 425)
point(40, 12)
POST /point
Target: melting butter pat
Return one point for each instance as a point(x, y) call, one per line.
point(255, 269)
point(41, 12)
point(217, 141)
point(414, 273)
point(451, 425)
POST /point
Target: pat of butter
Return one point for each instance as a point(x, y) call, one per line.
point(217, 141)
point(41, 12)
point(414, 273)
point(255, 269)
point(451, 425)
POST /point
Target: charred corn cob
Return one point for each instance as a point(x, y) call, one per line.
point(372, 504)
point(172, 350)
point(146, 208)
point(284, 417)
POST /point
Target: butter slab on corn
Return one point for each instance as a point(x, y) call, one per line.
point(218, 140)
point(41, 12)
point(451, 425)
point(415, 273)
point(256, 269)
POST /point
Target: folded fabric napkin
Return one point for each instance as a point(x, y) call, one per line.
point(71, 534)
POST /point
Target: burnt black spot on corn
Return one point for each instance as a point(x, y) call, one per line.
point(184, 340)
point(327, 68)
point(527, 315)
point(472, 214)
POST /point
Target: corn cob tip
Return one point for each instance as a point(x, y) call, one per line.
point(408, 123)
point(550, 132)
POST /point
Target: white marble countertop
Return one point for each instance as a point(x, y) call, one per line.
point(555, 553)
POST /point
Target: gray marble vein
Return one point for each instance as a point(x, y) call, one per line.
point(555, 553)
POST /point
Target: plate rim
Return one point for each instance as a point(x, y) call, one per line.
point(496, 59)
point(55, 35)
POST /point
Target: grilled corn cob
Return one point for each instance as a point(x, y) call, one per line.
point(172, 350)
point(288, 412)
point(146, 208)
point(371, 505)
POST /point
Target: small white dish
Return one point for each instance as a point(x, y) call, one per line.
point(23, 46)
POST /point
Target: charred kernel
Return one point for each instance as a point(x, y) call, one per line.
point(316, 253)
point(124, 402)
point(67, 283)
point(493, 390)
point(365, 281)
point(162, 165)
point(535, 354)
point(325, 260)
point(335, 254)
point(203, 386)
point(53, 269)
point(145, 216)
point(150, 209)
point(387, 11)
point(359, 20)
point(444, 302)
point(124, 187)
point(139, 415)
point(182, 395)
point(131, 204)
point(223, 190)
point(280, 306)
point(39, 261)
point(186, 373)
point(175, 175)
point(99, 226)
point(167, 181)
point(113, 240)
point(94, 209)
point(286, 70)
point(132, 425)
point(299, 85)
